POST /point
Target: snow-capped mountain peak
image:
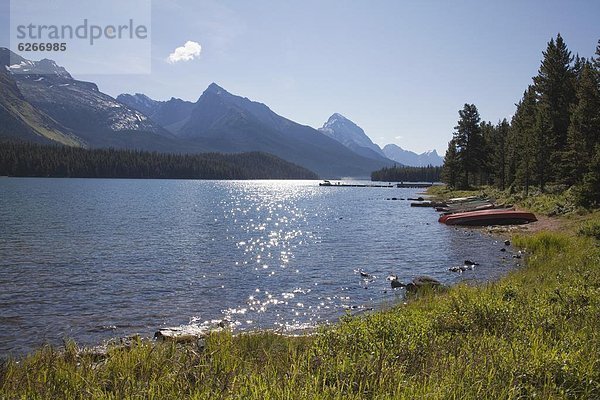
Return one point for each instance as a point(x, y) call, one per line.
point(411, 158)
point(350, 135)
point(42, 67)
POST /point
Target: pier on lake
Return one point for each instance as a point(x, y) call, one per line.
point(417, 185)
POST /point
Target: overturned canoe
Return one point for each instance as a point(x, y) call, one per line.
point(428, 203)
point(453, 210)
point(465, 199)
point(489, 217)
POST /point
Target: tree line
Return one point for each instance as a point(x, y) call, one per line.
point(407, 174)
point(22, 159)
point(552, 139)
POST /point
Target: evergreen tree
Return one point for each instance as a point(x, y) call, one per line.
point(597, 59)
point(543, 140)
point(498, 154)
point(28, 159)
point(512, 151)
point(589, 193)
point(554, 135)
point(584, 130)
point(407, 174)
point(523, 143)
point(451, 171)
point(554, 85)
point(469, 142)
point(578, 66)
point(488, 135)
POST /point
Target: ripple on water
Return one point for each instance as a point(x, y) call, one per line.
point(95, 258)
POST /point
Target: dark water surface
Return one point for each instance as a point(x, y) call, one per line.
point(91, 259)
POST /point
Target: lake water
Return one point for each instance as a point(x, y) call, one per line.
point(92, 259)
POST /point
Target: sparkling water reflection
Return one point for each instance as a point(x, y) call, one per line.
point(94, 259)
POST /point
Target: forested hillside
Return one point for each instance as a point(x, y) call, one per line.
point(553, 139)
point(27, 159)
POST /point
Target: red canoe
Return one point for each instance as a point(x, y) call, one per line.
point(489, 217)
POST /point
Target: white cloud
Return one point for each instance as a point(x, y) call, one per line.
point(398, 137)
point(187, 52)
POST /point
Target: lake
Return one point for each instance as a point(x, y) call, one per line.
point(92, 259)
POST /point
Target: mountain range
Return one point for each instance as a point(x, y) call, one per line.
point(352, 136)
point(40, 101)
point(170, 114)
point(408, 157)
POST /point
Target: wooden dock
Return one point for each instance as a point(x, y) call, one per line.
point(414, 185)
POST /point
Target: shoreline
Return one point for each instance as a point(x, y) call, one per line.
point(530, 333)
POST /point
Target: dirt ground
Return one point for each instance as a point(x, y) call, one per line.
point(544, 223)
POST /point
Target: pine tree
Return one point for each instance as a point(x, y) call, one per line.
point(597, 59)
point(451, 171)
point(498, 153)
point(543, 140)
point(510, 172)
point(578, 65)
point(554, 85)
point(523, 144)
point(589, 192)
point(584, 130)
point(488, 135)
point(469, 142)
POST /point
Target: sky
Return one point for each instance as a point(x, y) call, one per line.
point(401, 70)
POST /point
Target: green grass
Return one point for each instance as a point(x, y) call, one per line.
point(590, 228)
point(533, 334)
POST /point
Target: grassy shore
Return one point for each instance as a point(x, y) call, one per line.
point(534, 333)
